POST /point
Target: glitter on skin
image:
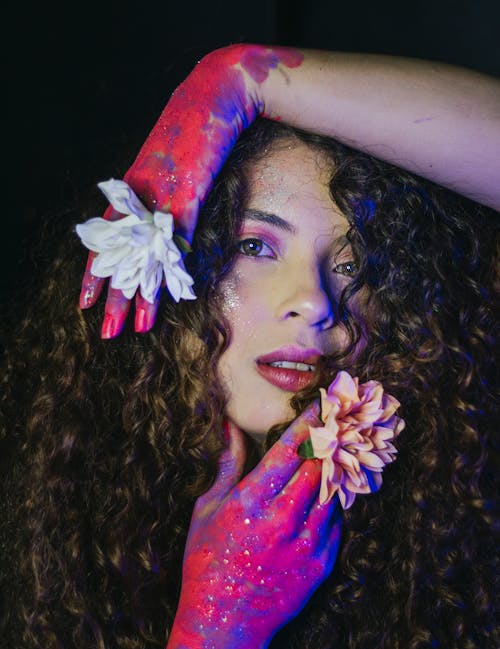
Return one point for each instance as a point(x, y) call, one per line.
point(287, 293)
point(230, 297)
point(175, 168)
point(270, 561)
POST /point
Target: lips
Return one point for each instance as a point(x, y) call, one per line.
point(289, 368)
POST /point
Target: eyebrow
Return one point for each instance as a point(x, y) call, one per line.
point(270, 219)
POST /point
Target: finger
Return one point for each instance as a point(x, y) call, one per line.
point(115, 313)
point(317, 536)
point(302, 490)
point(322, 519)
point(231, 465)
point(328, 547)
point(281, 462)
point(111, 214)
point(145, 313)
point(91, 285)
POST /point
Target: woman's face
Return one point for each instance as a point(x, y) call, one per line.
point(292, 264)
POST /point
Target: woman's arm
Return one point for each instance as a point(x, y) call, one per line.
point(436, 120)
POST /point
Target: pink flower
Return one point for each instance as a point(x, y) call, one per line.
point(355, 441)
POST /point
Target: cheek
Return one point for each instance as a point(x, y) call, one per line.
point(360, 313)
point(243, 304)
point(241, 315)
point(338, 338)
point(229, 297)
point(252, 404)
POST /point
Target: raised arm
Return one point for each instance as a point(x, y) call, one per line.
point(436, 120)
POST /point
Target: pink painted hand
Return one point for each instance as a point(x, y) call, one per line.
point(179, 160)
point(258, 548)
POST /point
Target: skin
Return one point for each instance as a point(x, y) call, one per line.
point(285, 282)
point(188, 145)
point(258, 547)
point(437, 120)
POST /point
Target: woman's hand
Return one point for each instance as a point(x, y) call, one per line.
point(177, 164)
point(256, 549)
point(439, 121)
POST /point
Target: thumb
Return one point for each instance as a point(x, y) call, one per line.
point(231, 465)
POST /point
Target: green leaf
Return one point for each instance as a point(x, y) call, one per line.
point(182, 244)
point(305, 450)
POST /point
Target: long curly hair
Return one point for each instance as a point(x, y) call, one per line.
point(109, 443)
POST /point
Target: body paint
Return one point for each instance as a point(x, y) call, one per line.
point(177, 164)
point(256, 552)
point(187, 147)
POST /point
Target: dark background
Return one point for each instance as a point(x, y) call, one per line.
point(86, 82)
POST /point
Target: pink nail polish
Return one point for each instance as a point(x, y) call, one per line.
point(86, 298)
point(141, 324)
point(108, 326)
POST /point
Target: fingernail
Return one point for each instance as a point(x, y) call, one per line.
point(86, 298)
point(108, 326)
point(141, 324)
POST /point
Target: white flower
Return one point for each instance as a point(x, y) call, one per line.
point(138, 250)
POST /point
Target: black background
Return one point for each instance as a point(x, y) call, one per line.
point(86, 82)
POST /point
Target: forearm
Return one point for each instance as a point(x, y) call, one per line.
point(439, 121)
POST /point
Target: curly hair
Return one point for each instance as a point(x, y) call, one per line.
point(113, 441)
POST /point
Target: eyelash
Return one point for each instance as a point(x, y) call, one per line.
point(262, 245)
point(347, 268)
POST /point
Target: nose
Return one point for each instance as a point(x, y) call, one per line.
point(306, 297)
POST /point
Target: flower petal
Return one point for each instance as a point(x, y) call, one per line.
point(142, 234)
point(150, 281)
point(344, 387)
point(123, 199)
point(137, 250)
point(165, 222)
point(105, 262)
point(354, 443)
point(323, 442)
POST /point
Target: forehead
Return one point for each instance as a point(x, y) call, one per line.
point(292, 182)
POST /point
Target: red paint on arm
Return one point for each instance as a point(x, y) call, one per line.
point(257, 61)
point(194, 135)
point(187, 147)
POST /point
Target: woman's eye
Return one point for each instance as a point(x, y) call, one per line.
point(348, 269)
point(255, 248)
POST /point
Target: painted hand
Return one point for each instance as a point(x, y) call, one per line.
point(177, 164)
point(258, 548)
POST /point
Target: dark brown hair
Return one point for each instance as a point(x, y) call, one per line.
point(112, 441)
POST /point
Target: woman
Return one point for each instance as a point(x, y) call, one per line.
point(432, 119)
point(381, 277)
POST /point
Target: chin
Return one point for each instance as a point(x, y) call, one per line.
point(257, 426)
point(258, 438)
